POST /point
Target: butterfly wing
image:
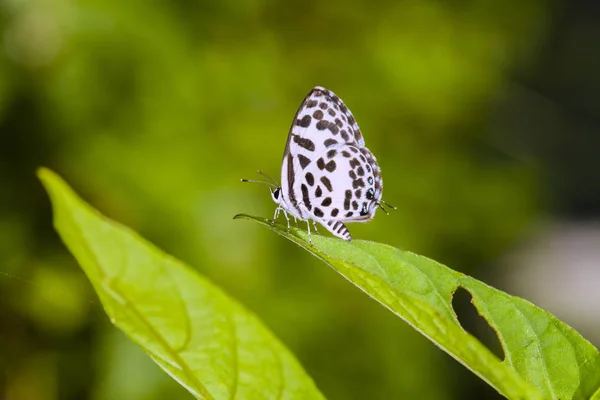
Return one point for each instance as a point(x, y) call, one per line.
point(327, 172)
point(322, 122)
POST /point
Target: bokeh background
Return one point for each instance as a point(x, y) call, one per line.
point(484, 116)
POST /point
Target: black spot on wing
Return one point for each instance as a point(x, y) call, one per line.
point(304, 122)
point(325, 180)
point(310, 179)
point(318, 212)
point(321, 163)
point(358, 183)
point(330, 166)
point(304, 161)
point(305, 198)
point(304, 143)
point(347, 199)
point(324, 125)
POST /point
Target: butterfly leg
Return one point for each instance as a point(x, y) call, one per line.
point(308, 226)
point(287, 219)
point(277, 210)
point(296, 221)
point(315, 226)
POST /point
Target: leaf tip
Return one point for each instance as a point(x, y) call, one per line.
point(44, 174)
point(57, 189)
point(48, 178)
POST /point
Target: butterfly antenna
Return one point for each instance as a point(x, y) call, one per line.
point(255, 181)
point(268, 177)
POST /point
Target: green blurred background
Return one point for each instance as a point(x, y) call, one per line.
point(483, 116)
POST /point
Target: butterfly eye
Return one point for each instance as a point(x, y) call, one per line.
point(276, 193)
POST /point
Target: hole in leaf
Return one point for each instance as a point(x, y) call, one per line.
point(475, 324)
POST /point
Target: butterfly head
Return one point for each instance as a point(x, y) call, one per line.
point(276, 194)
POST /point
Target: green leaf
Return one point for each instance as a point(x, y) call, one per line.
point(544, 358)
point(204, 339)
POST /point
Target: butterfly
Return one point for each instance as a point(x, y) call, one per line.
point(327, 174)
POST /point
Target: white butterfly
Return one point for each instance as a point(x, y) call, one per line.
point(327, 173)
